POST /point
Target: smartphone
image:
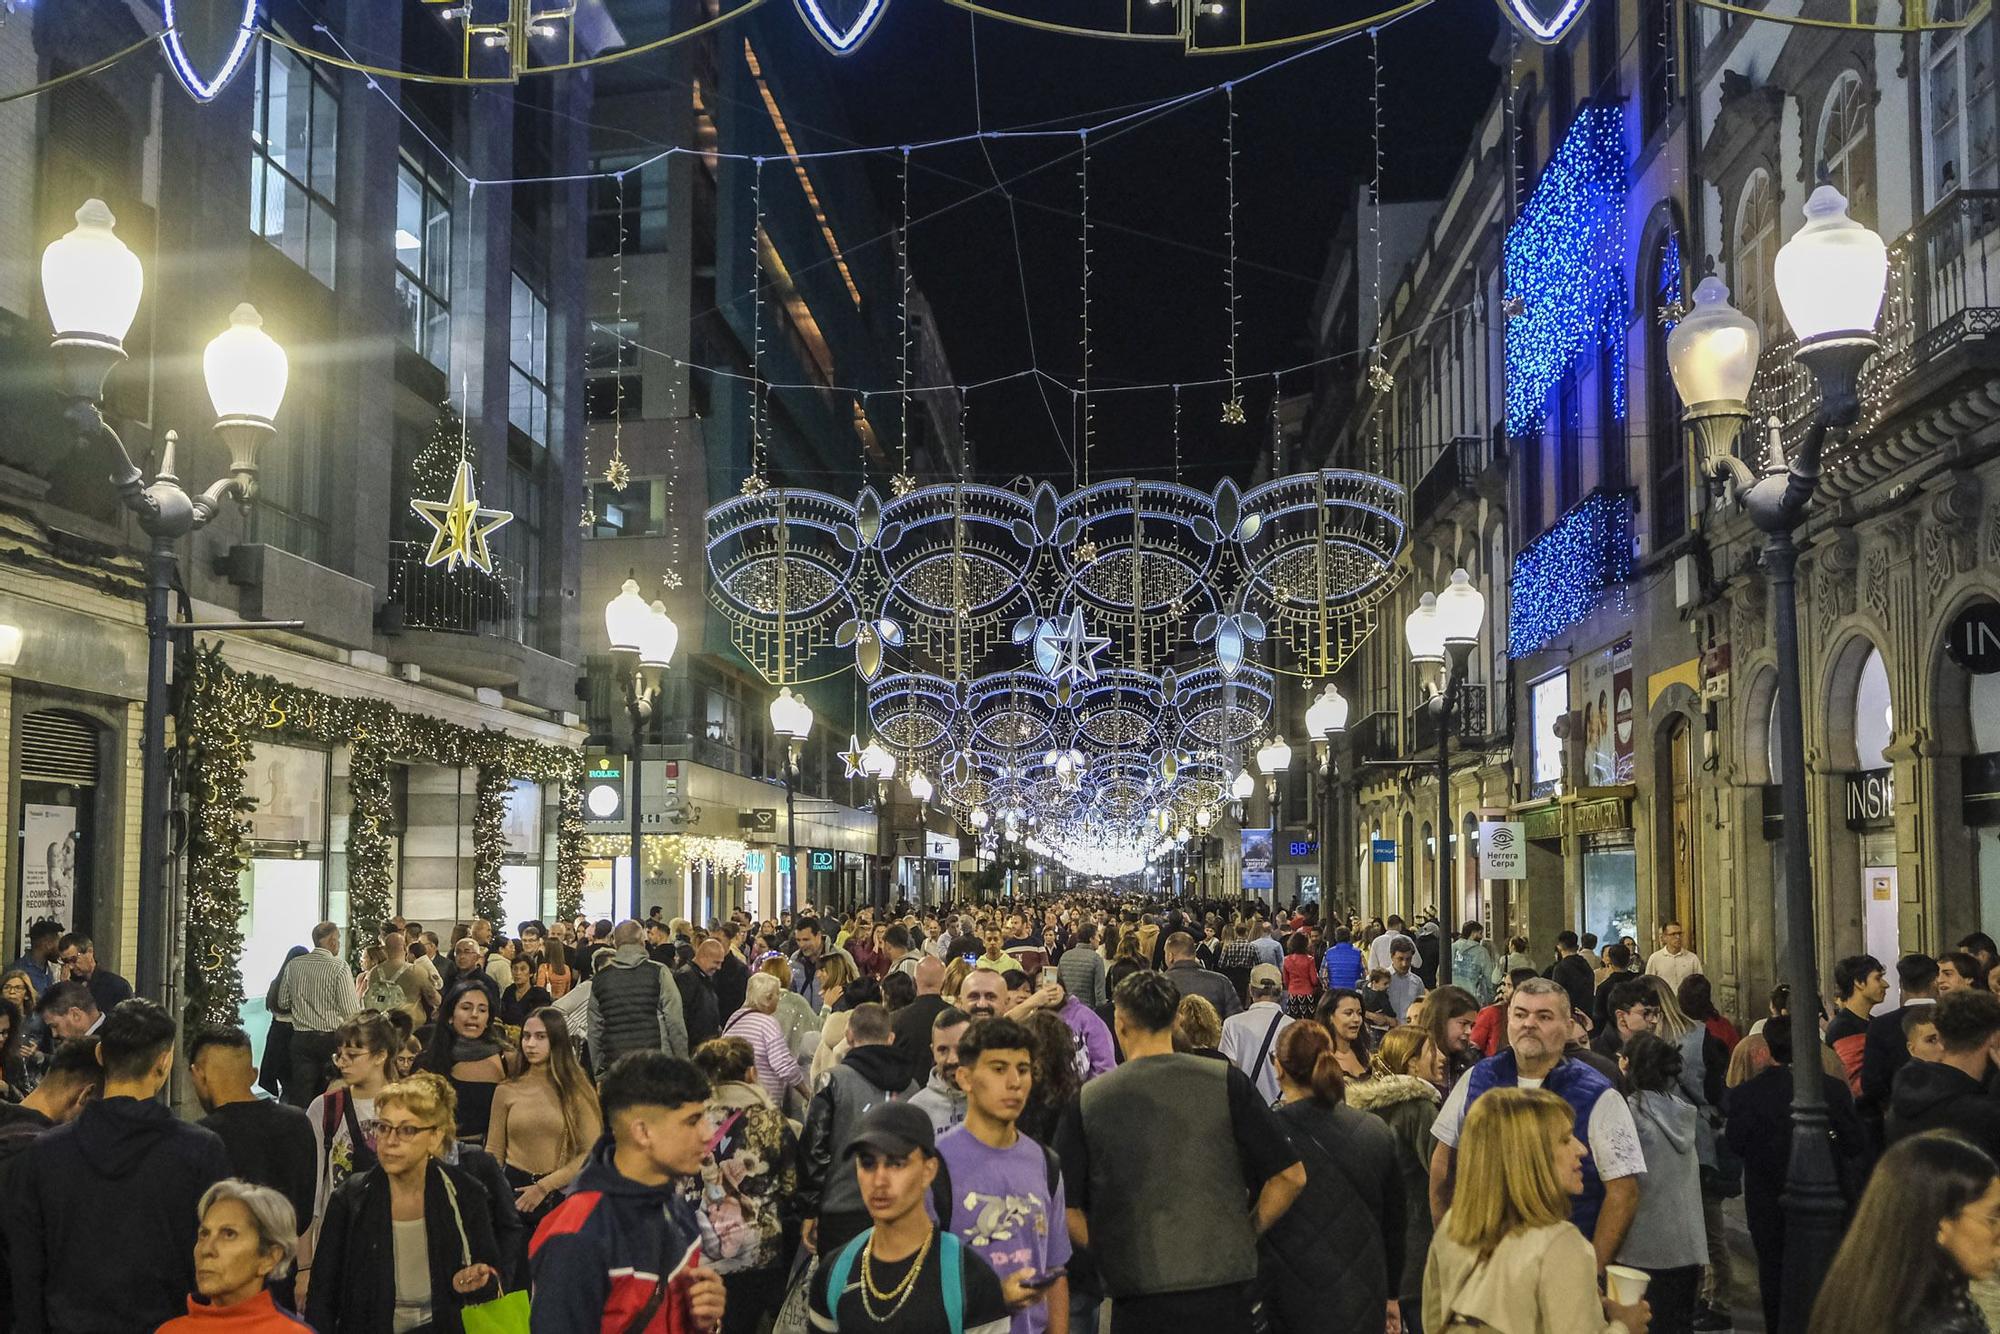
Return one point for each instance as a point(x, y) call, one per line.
point(1047, 1279)
point(970, 958)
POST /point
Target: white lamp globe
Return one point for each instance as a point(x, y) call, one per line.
point(1461, 609)
point(791, 719)
point(245, 369)
point(1203, 819)
point(627, 619)
point(877, 762)
point(1423, 634)
point(1327, 715)
point(920, 786)
point(92, 281)
point(1712, 353)
point(662, 638)
point(1832, 273)
point(1274, 756)
point(980, 819)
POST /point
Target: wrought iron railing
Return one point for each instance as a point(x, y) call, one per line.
point(1468, 717)
point(1454, 474)
point(462, 601)
point(1944, 291)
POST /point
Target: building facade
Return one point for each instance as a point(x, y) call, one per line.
point(1629, 670)
point(342, 207)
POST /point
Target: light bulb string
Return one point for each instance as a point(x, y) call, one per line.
point(1083, 190)
point(903, 338)
point(757, 459)
point(1229, 224)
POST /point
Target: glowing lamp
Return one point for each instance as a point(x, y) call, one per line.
point(1327, 715)
point(92, 281)
point(1712, 352)
point(627, 619)
point(1423, 633)
point(1832, 273)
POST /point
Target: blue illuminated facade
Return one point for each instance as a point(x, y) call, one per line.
point(1570, 571)
point(1565, 268)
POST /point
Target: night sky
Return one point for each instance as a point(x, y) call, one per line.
point(1157, 206)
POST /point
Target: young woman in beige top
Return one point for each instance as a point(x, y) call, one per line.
point(545, 1119)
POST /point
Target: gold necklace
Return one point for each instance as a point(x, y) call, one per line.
point(897, 1296)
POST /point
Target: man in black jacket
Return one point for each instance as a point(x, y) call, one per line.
point(73, 1078)
point(1950, 1094)
point(1884, 1052)
point(101, 1215)
point(872, 1072)
point(1572, 972)
point(700, 1008)
point(269, 1143)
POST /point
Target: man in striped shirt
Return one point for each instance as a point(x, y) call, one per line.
point(318, 995)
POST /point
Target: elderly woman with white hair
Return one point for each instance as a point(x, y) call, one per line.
point(247, 1238)
point(778, 1070)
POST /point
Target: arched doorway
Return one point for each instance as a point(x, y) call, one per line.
point(1862, 887)
point(1680, 817)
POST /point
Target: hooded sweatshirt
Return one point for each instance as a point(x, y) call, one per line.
point(1667, 1231)
point(865, 1076)
point(112, 1192)
point(1930, 1095)
point(598, 1257)
point(941, 1101)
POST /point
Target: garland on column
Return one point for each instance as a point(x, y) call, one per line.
point(489, 842)
point(225, 710)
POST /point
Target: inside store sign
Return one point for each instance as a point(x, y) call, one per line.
point(1973, 638)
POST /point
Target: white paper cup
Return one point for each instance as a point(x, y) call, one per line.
point(1627, 1285)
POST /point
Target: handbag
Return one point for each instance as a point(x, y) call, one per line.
point(505, 1314)
point(795, 1316)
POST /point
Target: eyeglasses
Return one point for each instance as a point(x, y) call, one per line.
point(393, 1132)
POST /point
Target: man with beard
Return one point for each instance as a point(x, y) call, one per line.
point(1538, 1026)
point(941, 1098)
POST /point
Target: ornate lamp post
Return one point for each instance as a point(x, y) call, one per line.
point(1326, 722)
point(643, 640)
point(880, 765)
point(92, 283)
point(791, 723)
point(1831, 276)
point(1441, 634)
point(922, 791)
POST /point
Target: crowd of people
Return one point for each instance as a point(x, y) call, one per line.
point(1033, 1117)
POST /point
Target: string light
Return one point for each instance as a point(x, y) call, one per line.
point(1567, 573)
point(1232, 407)
point(759, 477)
point(1177, 433)
point(904, 481)
point(1565, 268)
point(1083, 190)
point(616, 471)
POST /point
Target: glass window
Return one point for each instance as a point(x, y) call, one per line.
point(1756, 252)
point(1547, 702)
point(1843, 145)
point(640, 510)
point(1667, 453)
point(1959, 106)
point(612, 385)
point(423, 262)
point(294, 128)
point(528, 363)
point(524, 498)
point(639, 210)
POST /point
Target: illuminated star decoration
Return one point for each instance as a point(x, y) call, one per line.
point(1075, 650)
point(851, 757)
point(1232, 412)
point(462, 525)
point(618, 473)
point(902, 484)
point(671, 579)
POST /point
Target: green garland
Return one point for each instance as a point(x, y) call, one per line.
point(489, 842)
point(223, 711)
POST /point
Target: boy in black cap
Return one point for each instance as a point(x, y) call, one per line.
point(903, 1274)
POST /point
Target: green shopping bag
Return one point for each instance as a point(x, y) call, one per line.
point(504, 1315)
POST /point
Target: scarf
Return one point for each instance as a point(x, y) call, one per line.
point(474, 1049)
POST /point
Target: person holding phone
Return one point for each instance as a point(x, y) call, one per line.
point(1000, 1191)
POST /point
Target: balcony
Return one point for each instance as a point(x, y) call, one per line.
point(1470, 720)
point(458, 602)
point(1453, 480)
point(1939, 315)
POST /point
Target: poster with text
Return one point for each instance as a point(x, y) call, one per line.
point(48, 864)
point(1257, 859)
point(1621, 712)
point(1593, 718)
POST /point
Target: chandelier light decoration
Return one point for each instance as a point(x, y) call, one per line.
point(1079, 672)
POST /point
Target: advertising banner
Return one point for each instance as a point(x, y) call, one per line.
point(48, 864)
point(1257, 859)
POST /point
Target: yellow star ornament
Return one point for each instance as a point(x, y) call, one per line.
point(462, 525)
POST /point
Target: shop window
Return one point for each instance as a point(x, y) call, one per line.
point(1548, 701)
point(294, 139)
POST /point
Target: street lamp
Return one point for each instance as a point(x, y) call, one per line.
point(92, 283)
point(791, 723)
point(1830, 277)
point(1326, 721)
point(880, 765)
point(1441, 633)
point(643, 638)
point(921, 789)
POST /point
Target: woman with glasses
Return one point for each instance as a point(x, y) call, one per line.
point(343, 1117)
point(407, 1244)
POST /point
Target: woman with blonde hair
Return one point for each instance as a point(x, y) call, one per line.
point(954, 977)
point(1198, 1028)
point(794, 1013)
point(407, 1244)
point(1506, 1256)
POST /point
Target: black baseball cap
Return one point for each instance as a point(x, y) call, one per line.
point(894, 1128)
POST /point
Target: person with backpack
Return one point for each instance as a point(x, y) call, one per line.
point(747, 1179)
point(998, 1190)
point(872, 1072)
point(903, 1273)
point(343, 1122)
point(398, 984)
